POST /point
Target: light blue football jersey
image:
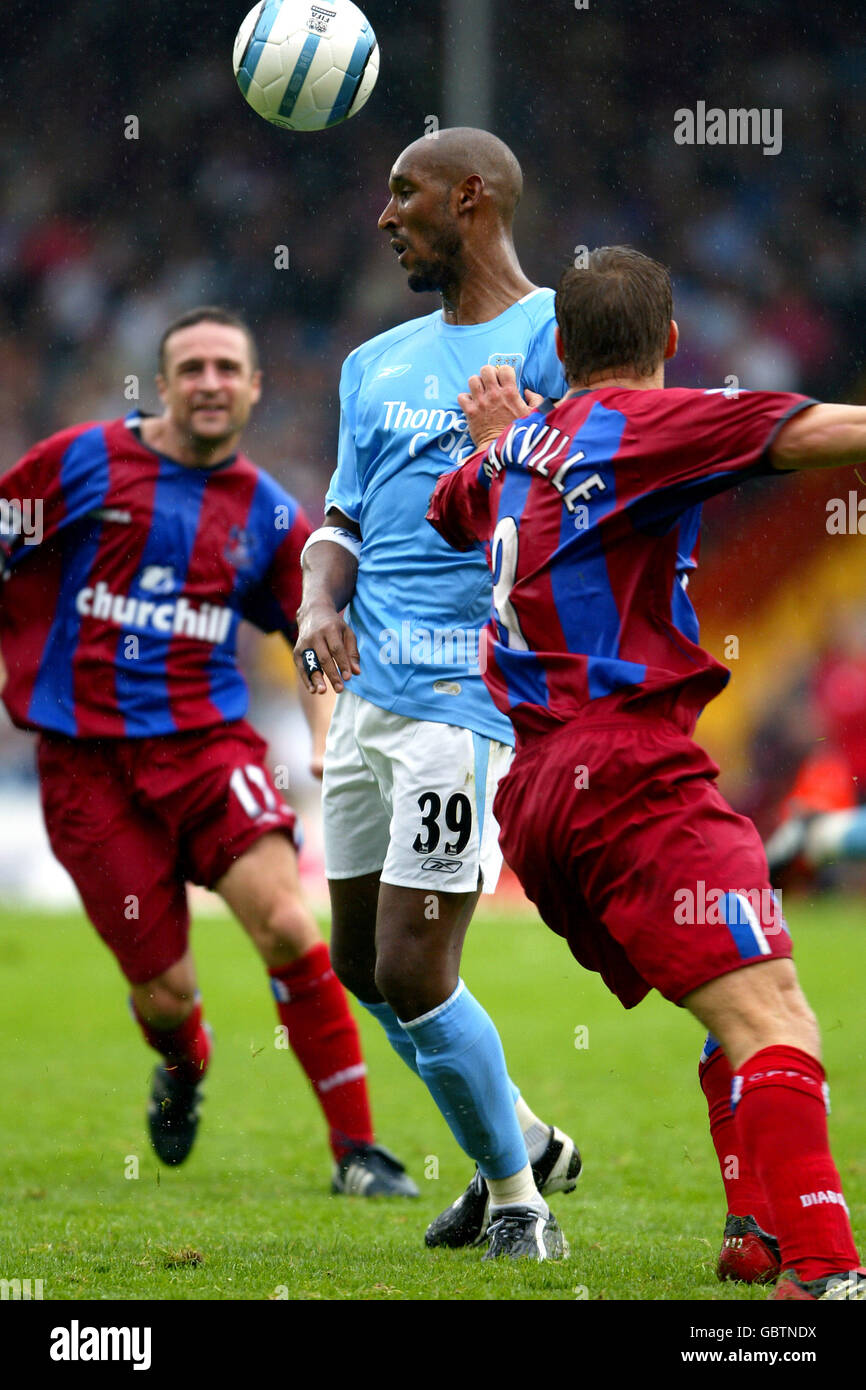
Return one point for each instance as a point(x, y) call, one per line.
point(419, 606)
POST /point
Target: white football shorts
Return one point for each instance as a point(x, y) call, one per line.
point(410, 799)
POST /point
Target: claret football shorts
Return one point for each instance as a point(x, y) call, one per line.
point(133, 820)
point(620, 836)
point(410, 799)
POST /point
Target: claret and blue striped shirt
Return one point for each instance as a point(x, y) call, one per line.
point(590, 512)
point(127, 575)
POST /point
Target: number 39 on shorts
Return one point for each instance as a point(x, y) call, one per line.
point(451, 825)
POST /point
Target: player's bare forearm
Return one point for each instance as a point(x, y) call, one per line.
point(329, 574)
point(492, 402)
point(821, 436)
point(317, 712)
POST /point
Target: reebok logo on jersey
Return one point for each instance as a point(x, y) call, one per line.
point(443, 866)
point(157, 579)
point(180, 618)
point(399, 370)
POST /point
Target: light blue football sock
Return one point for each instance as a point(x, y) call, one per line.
point(854, 841)
point(837, 835)
point(401, 1041)
point(394, 1032)
point(460, 1058)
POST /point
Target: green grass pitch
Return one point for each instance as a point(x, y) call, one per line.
point(249, 1216)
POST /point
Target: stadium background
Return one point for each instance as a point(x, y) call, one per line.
point(103, 239)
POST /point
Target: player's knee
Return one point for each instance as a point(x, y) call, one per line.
point(390, 981)
point(395, 973)
point(353, 975)
point(285, 930)
point(353, 954)
point(397, 967)
point(163, 1004)
point(412, 984)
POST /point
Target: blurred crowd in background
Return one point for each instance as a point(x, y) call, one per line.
point(104, 238)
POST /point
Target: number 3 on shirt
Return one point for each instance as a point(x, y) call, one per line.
point(504, 556)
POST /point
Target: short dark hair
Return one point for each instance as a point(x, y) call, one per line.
point(614, 312)
point(209, 313)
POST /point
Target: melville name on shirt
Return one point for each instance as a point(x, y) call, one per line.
point(527, 438)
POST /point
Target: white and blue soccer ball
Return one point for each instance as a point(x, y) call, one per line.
point(306, 64)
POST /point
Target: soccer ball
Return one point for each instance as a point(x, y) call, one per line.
point(306, 64)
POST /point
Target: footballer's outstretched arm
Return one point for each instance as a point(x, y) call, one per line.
point(821, 436)
point(330, 568)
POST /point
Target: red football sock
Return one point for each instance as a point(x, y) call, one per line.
point(186, 1049)
point(743, 1193)
point(313, 1008)
point(781, 1119)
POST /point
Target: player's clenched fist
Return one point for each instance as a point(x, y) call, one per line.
point(492, 402)
point(326, 647)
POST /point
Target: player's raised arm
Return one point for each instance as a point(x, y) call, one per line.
point(492, 402)
point(822, 436)
point(458, 508)
point(330, 568)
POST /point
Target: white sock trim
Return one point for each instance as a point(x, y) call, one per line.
point(433, 1013)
